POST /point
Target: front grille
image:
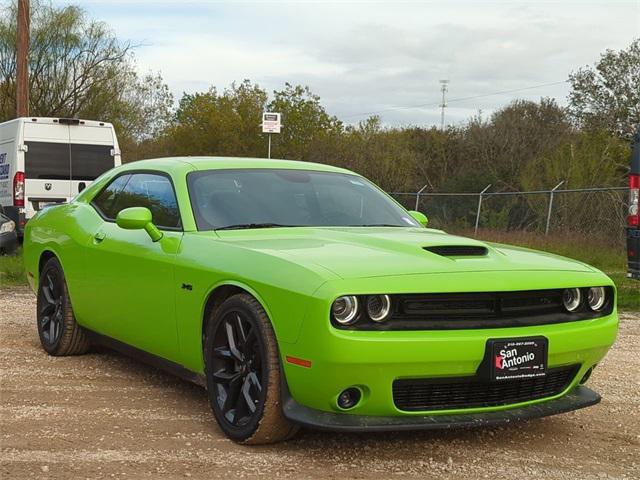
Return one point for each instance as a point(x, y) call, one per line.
point(458, 250)
point(477, 310)
point(427, 394)
point(485, 305)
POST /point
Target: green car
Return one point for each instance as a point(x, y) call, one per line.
point(301, 294)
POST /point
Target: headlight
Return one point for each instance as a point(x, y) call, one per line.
point(571, 299)
point(345, 309)
point(596, 298)
point(378, 307)
point(6, 227)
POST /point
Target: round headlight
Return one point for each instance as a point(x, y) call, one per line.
point(596, 298)
point(571, 299)
point(345, 309)
point(378, 307)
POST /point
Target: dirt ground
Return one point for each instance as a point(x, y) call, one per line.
point(103, 415)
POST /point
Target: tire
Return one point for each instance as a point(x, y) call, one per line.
point(243, 373)
point(57, 328)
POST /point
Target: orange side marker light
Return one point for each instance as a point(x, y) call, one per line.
point(301, 362)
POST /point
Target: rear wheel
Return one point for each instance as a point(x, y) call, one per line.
point(243, 373)
point(59, 333)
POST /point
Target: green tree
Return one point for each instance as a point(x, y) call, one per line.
point(213, 123)
point(607, 95)
point(305, 122)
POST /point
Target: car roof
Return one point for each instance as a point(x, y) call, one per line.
point(225, 163)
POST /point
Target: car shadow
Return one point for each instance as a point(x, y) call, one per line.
point(193, 399)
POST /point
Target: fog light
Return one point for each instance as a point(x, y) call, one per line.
point(345, 309)
point(349, 398)
point(378, 307)
point(596, 298)
point(571, 299)
point(586, 376)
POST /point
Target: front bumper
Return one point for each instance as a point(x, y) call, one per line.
point(372, 361)
point(580, 397)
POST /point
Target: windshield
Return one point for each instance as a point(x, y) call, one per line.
point(262, 198)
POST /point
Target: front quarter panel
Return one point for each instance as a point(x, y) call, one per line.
point(63, 231)
point(206, 262)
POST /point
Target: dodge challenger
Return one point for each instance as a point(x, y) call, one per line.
point(301, 294)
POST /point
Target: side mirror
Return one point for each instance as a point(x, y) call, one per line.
point(420, 217)
point(138, 218)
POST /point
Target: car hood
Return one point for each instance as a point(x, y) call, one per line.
point(360, 252)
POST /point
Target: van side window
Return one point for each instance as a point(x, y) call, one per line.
point(105, 201)
point(154, 192)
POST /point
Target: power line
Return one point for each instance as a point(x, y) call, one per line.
point(459, 99)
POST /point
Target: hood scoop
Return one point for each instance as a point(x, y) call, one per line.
point(458, 250)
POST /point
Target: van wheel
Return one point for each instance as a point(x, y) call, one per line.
point(59, 333)
point(243, 373)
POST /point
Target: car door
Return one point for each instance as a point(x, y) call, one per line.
point(131, 278)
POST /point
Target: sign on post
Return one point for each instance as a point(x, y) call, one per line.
point(271, 122)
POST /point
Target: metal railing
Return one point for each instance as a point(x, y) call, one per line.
point(596, 209)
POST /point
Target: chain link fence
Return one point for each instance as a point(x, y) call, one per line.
point(598, 212)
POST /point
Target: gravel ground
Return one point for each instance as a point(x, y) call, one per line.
point(103, 415)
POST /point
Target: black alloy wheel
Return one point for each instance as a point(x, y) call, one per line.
point(244, 379)
point(237, 369)
point(57, 328)
point(51, 315)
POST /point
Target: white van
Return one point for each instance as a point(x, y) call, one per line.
point(50, 160)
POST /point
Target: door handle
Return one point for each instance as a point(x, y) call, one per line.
point(99, 237)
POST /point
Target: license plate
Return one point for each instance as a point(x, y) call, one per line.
point(518, 358)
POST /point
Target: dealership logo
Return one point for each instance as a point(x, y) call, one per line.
point(47, 186)
point(510, 358)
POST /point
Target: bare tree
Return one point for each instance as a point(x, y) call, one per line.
point(78, 68)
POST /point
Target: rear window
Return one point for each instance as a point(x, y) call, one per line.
point(61, 161)
point(46, 160)
point(88, 162)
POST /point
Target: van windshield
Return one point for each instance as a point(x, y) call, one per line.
point(61, 161)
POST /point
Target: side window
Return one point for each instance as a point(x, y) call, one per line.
point(154, 192)
point(105, 200)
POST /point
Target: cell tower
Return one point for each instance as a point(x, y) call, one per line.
point(443, 105)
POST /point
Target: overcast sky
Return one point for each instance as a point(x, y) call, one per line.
point(365, 57)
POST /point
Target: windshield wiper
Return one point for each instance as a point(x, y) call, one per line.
point(377, 225)
point(241, 226)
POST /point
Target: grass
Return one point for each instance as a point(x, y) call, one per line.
point(595, 251)
point(12, 270)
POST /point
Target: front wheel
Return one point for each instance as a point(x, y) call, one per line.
point(243, 373)
point(57, 328)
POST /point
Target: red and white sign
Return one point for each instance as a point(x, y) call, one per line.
point(271, 122)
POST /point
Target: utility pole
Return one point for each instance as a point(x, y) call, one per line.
point(22, 64)
point(443, 105)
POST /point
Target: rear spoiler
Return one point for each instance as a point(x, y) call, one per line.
point(635, 155)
